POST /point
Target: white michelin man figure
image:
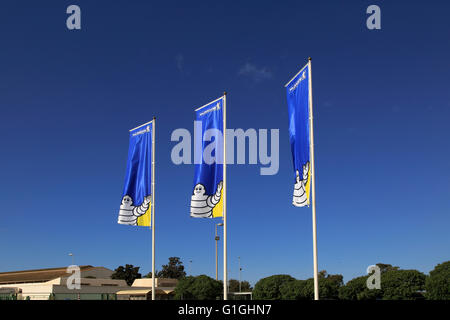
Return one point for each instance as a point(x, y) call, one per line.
point(300, 198)
point(129, 213)
point(202, 205)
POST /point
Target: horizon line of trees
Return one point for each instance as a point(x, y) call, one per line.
point(396, 284)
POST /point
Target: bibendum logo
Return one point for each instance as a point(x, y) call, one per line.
point(129, 213)
point(202, 205)
point(300, 198)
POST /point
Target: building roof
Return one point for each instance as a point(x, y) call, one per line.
point(145, 291)
point(159, 282)
point(133, 292)
point(37, 275)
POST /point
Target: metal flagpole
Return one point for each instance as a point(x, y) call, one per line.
point(313, 185)
point(225, 277)
point(153, 210)
point(240, 269)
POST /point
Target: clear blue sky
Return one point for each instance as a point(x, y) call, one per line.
point(382, 108)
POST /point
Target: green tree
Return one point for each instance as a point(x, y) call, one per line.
point(173, 270)
point(386, 267)
point(396, 284)
point(233, 286)
point(402, 284)
point(198, 288)
point(269, 288)
point(128, 273)
point(149, 275)
point(183, 290)
point(437, 284)
point(329, 285)
point(356, 289)
point(293, 290)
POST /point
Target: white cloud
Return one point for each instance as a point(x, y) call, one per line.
point(255, 73)
point(179, 58)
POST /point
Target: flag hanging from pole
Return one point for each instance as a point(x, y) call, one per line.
point(207, 193)
point(135, 208)
point(297, 91)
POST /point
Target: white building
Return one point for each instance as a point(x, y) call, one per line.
point(96, 284)
point(141, 289)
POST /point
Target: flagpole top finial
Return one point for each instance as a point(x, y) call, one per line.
point(154, 118)
point(309, 59)
point(224, 93)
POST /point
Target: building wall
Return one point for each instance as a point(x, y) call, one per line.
point(84, 296)
point(36, 291)
point(91, 289)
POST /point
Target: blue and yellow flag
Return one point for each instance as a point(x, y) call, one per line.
point(207, 193)
point(297, 91)
point(135, 208)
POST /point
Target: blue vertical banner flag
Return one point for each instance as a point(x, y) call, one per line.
point(135, 208)
point(298, 95)
point(207, 192)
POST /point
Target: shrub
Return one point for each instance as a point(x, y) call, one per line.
point(437, 285)
point(198, 288)
point(269, 288)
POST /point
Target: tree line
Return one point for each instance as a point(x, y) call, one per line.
point(396, 284)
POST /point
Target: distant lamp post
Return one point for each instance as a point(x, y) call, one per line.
point(190, 267)
point(217, 238)
point(71, 254)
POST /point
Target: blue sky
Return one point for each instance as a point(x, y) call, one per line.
point(381, 108)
